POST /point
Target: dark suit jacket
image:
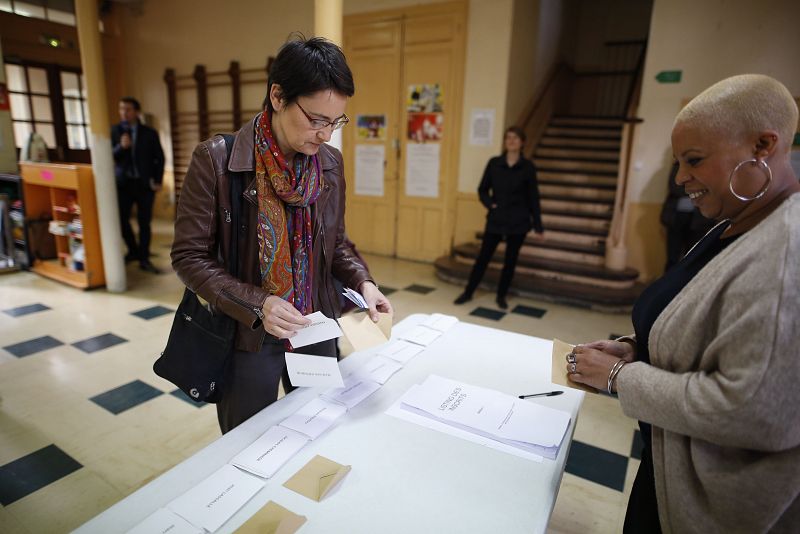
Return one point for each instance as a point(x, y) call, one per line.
point(146, 154)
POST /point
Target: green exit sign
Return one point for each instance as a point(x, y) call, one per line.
point(669, 76)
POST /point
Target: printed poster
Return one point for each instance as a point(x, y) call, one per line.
point(425, 98)
point(371, 127)
point(422, 170)
point(369, 169)
point(424, 127)
point(481, 127)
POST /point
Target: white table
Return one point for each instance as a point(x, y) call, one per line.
point(404, 478)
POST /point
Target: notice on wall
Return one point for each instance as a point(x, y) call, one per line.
point(481, 127)
point(369, 170)
point(422, 169)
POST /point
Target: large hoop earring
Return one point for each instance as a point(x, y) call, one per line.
point(759, 163)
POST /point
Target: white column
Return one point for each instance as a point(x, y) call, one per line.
point(328, 24)
point(100, 134)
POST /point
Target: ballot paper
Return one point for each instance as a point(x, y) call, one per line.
point(505, 418)
point(163, 520)
point(307, 370)
point(355, 297)
point(269, 452)
point(440, 322)
point(320, 329)
point(421, 335)
point(400, 351)
point(315, 417)
point(378, 369)
point(214, 500)
point(356, 389)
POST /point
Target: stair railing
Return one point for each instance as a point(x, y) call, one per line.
point(616, 250)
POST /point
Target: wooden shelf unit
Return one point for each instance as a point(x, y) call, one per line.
point(53, 189)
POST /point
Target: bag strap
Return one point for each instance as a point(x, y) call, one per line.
point(235, 180)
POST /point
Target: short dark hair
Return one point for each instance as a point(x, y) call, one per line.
point(519, 132)
point(305, 66)
point(132, 101)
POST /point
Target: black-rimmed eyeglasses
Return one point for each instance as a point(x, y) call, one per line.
point(318, 124)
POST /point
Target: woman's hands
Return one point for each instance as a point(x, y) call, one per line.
point(593, 362)
point(281, 319)
point(376, 300)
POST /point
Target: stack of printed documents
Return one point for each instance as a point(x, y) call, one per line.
point(503, 418)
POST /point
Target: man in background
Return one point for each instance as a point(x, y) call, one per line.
point(139, 170)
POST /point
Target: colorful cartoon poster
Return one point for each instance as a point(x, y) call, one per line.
point(371, 127)
point(424, 127)
point(425, 98)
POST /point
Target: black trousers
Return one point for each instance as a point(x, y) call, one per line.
point(641, 517)
point(251, 380)
point(488, 246)
point(136, 192)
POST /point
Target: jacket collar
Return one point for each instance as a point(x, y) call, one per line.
point(243, 151)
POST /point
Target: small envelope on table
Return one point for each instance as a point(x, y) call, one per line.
point(317, 478)
point(559, 370)
point(363, 333)
point(272, 519)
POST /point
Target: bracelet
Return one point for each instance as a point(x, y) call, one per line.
point(614, 372)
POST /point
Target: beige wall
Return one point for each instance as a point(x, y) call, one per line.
point(708, 41)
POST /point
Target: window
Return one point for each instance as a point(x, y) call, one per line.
point(51, 101)
point(60, 11)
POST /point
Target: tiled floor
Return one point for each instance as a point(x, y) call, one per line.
point(85, 422)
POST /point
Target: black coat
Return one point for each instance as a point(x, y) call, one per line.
point(146, 153)
point(515, 191)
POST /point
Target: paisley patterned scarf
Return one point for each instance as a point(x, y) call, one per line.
point(285, 195)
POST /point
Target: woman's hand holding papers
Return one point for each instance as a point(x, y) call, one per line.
point(376, 300)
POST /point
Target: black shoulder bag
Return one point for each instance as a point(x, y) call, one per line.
point(201, 341)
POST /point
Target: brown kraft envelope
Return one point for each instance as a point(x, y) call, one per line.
point(272, 519)
point(317, 477)
point(559, 370)
point(362, 333)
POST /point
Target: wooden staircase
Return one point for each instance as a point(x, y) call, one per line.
point(577, 160)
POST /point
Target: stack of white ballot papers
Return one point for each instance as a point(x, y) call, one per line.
point(490, 414)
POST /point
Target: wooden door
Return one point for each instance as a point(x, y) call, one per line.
point(393, 55)
point(373, 52)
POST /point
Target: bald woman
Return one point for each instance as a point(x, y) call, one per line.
point(713, 372)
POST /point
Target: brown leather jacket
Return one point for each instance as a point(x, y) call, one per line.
point(203, 232)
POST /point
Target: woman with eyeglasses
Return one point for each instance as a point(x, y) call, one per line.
point(291, 241)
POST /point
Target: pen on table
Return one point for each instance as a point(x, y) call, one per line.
point(545, 394)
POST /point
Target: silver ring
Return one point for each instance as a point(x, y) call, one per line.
point(571, 357)
point(573, 368)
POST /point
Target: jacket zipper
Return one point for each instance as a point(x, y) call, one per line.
point(258, 311)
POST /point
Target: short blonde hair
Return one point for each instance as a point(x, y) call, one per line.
point(742, 105)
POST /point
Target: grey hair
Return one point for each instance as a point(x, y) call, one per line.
point(742, 106)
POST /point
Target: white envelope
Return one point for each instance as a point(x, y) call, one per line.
point(306, 370)
point(315, 417)
point(401, 351)
point(269, 452)
point(214, 500)
point(356, 389)
point(378, 368)
point(321, 329)
point(421, 335)
point(163, 520)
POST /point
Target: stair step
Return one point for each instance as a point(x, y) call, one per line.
point(578, 120)
point(552, 141)
point(581, 153)
point(579, 222)
point(561, 290)
point(573, 213)
point(581, 202)
point(579, 179)
point(577, 192)
point(557, 228)
point(588, 208)
point(533, 244)
point(583, 133)
point(567, 165)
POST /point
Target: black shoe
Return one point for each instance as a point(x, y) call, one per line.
point(131, 257)
point(501, 303)
point(148, 267)
point(462, 298)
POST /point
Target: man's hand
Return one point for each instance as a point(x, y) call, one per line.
point(376, 300)
point(281, 319)
point(125, 140)
point(155, 186)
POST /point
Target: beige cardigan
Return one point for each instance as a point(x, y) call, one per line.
point(723, 390)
